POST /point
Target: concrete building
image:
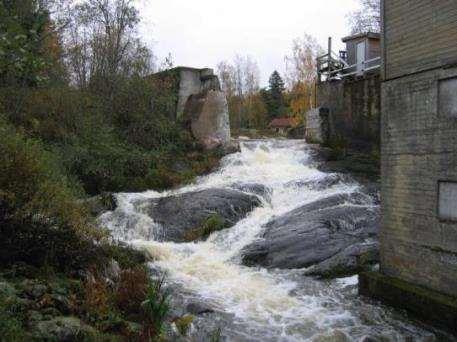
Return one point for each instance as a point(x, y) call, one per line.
point(348, 95)
point(194, 97)
point(418, 269)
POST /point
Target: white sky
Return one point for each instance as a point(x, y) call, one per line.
point(201, 33)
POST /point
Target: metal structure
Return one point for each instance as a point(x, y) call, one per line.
point(333, 66)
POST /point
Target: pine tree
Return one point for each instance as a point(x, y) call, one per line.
point(276, 95)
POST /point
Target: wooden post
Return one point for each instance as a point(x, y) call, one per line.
point(329, 47)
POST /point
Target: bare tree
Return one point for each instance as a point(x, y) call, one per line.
point(301, 63)
point(367, 18)
point(103, 43)
point(301, 73)
point(240, 81)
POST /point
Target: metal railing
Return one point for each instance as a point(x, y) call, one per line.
point(335, 68)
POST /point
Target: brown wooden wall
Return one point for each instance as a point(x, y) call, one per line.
point(419, 34)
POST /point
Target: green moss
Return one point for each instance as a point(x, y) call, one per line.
point(183, 324)
point(212, 224)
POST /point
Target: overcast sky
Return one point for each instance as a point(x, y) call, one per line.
point(201, 33)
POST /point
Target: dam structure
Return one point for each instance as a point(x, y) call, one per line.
point(418, 237)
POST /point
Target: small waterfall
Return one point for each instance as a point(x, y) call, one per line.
point(263, 305)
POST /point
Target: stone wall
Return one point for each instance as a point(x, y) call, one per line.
point(354, 110)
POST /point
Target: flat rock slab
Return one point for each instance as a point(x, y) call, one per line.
point(318, 232)
point(182, 213)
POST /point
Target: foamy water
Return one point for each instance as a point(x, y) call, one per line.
point(263, 305)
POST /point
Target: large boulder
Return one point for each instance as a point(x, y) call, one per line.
point(182, 216)
point(207, 115)
point(253, 188)
point(316, 233)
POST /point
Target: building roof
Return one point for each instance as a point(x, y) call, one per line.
point(373, 35)
point(282, 123)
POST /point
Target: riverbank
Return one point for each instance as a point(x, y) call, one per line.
point(62, 276)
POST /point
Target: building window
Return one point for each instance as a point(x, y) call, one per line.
point(447, 99)
point(447, 201)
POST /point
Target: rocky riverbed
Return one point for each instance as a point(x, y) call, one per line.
point(267, 248)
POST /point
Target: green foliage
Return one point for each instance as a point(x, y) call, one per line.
point(155, 308)
point(26, 43)
point(40, 221)
point(274, 96)
point(11, 327)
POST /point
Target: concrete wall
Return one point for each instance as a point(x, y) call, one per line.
point(419, 144)
point(354, 109)
point(317, 125)
point(192, 82)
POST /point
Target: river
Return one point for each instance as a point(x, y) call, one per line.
point(256, 304)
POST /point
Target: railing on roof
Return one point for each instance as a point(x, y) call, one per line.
point(332, 66)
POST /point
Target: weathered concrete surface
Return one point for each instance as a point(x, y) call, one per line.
point(316, 233)
point(183, 213)
point(195, 97)
point(208, 117)
point(419, 151)
point(428, 305)
point(194, 81)
point(317, 125)
point(354, 110)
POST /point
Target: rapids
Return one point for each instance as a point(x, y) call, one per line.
point(255, 304)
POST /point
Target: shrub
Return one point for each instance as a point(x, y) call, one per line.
point(40, 220)
point(11, 328)
point(96, 298)
point(132, 290)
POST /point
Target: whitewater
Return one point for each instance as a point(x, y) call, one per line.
point(253, 303)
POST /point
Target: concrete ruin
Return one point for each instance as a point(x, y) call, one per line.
point(194, 97)
point(418, 269)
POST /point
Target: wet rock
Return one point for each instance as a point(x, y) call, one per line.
point(253, 188)
point(37, 291)
point(352, 260)
point(198, 308)
point(334, 336)
point(321, 184)
point(64, 329)
point(314, 233)
point(112, 271)
point(183, 213)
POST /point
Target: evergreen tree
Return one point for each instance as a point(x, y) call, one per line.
point(275, 103)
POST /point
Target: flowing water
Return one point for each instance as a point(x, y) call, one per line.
point(255, 304)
